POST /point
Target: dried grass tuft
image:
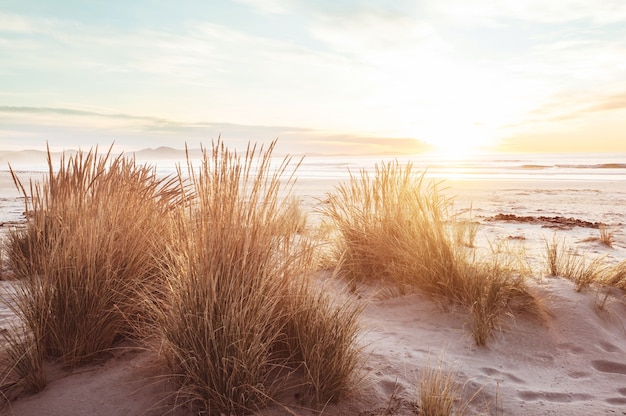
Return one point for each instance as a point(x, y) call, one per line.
point(238, 315)
point(21, 365)
point(395, 229)
point(86, 256)
point(616, 276)
point(563, 261)
point(606, 236)
point(439, 394)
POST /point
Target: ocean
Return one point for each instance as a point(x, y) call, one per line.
point(588, 185)
point(531, 167)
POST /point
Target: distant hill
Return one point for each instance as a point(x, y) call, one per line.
point(30, 158)
point(165, 153)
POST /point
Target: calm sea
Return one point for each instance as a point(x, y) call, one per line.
point(482, 178)
point(568, 167)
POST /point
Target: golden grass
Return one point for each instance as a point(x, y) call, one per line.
point(21, 364)
point(465, 229)
point(396, 230)
point(439, 394)
point(563, 261)
point(494, 289)
point(238, 315)
point(616, 276)
point(321, 336)
point(86, 256)
point(606, 236)
point(387, 222)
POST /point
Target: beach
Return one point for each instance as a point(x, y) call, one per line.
point(570, 360)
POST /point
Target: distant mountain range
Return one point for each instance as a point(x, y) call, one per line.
point(30, 157)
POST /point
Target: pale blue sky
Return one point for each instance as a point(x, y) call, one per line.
point(322, 76)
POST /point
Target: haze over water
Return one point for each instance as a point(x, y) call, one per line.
point(588, 185)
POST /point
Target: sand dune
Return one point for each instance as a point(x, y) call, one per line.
point(571, 361)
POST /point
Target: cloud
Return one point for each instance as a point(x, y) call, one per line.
point(204, 69)
point(425, 69)
point(578, 106)
point(493, 12)
point(18, 24)
point(32, 127)
point(614, 102)
point(267, 6)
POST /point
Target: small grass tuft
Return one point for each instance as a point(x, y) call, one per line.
point(606, 236)
point(439, 394)
point(563, 261)
point(316, 330)
point(21, 368)
point(616, 276)
point(465, 229)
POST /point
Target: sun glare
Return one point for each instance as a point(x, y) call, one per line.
point(459, 141)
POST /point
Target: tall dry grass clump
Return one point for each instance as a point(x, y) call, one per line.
point(321, 338)
point(394, 228)
point(86, 255)
point(239, 315)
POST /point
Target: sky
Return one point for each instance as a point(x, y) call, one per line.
point(323, 76)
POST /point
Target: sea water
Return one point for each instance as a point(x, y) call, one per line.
point(590, 185)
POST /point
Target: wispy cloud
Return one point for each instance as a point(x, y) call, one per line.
point(481, 12)
point(32, 127)
point(429, 70)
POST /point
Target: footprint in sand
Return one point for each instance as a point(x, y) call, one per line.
point(554, 397)
point(578, 374)
point(609, 366)
point(616, 401)
point(576, 349)
point(391, 386)
point(608, 347)
point(492, 372)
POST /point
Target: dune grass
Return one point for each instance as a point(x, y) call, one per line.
point(21, 365)
point(616, 276)
point(212, 265)
point(465, 229)
point(563, 261)
point(239, 316)
point(439, 394)
point(85, 257)
point(321, 337)
point(606, 236)
point(396, 229)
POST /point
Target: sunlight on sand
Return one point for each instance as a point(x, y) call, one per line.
point(569, 361)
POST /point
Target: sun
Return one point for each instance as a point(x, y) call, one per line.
point(458, 140)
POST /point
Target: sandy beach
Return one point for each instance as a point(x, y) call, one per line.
point(313, 208)
point(570, 361)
